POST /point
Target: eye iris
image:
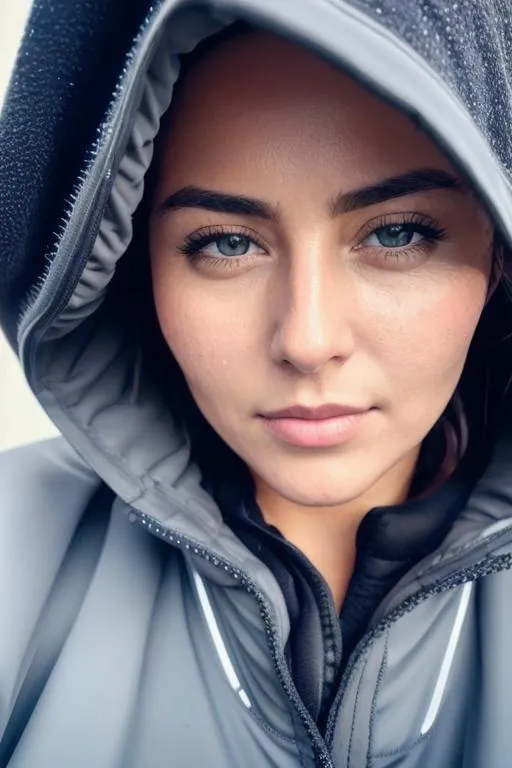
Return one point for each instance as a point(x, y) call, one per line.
point(394, 236)
point(233, 245)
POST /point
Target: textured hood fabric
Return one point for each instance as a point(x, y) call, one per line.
point(71, 182)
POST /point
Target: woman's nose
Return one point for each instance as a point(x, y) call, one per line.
point(315, 313)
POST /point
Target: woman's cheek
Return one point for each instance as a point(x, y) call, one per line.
point(420, 338)
point(204, 347)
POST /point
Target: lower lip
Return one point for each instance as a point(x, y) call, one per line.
point(317, 433)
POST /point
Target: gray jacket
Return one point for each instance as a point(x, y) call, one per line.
point(136, 631)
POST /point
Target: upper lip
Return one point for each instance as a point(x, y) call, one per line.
point(327, 411)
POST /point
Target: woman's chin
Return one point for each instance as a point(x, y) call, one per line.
point(318, 489)
point(363, 474)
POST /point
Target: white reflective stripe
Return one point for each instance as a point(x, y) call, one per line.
point(244, 698)
point(449, 655)
point(218, 642)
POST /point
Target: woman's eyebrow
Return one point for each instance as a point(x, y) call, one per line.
point(218, 202)
point(423, 180)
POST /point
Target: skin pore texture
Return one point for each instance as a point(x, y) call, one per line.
point(278, 285)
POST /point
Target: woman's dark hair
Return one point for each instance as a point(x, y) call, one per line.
point(485, 382)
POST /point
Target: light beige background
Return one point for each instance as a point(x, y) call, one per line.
point(21, 418)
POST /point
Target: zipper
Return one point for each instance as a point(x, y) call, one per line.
point(81, 223)
point(331, 632)
point(322, 756)
point(488, 565)
point(328, 617)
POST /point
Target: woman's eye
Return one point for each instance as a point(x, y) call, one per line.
point(228, 246)
point(401, 245)
point(395, 236)
point(221, 248)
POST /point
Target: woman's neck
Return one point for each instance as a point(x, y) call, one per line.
point(327, 535)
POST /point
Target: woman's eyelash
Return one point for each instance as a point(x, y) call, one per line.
point(399, 243)
point(412, 223)
point(196, 242)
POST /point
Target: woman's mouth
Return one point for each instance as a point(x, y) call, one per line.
point(318, 427)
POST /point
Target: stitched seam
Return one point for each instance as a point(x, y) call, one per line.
point(305, 760)
point(354, 716)
point(264, 724)
point(373, 711)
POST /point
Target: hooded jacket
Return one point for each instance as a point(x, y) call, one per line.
point(136, 629)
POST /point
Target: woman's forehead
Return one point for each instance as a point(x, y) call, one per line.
point(259, 105)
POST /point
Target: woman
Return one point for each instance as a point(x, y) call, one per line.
point(278, 530)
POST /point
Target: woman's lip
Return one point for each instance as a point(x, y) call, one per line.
point(316, 433)
point(327, 411)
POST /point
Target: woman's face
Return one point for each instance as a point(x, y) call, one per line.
point(311, 247)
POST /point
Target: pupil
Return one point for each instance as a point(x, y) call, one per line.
point(233, 245)
point(394, 235)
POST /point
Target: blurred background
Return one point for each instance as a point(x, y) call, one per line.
point(21, 418)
